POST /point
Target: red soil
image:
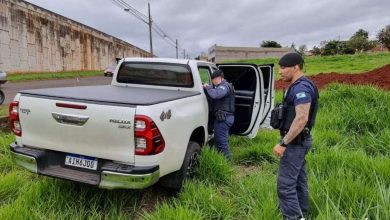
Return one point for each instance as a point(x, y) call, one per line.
point(378, 77)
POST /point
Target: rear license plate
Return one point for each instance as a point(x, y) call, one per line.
point(81, 161)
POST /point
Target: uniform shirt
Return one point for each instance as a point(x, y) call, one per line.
point(219, 91)
point(301, 93)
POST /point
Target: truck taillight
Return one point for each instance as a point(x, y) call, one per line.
point(148, 139)
point(14, 121)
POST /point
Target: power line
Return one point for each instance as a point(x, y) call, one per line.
point(128, 8)
point(157, 29)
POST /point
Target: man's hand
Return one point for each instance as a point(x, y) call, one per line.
point(279, 150)
point(205, 85)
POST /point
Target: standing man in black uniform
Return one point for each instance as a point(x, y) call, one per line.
point(222, 94)
point(299, 108)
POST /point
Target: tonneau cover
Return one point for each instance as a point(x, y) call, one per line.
point(111, 94)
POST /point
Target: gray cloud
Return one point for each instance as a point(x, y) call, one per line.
point(200, 24)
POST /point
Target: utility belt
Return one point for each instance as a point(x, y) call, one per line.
point(300, 138)
point(221, 115)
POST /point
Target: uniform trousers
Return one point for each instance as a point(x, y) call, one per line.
point(292, 186)
point(221, 135)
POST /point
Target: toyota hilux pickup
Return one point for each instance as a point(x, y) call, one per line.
point(148, 126)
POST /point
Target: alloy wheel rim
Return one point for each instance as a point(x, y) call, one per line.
point(191, 165)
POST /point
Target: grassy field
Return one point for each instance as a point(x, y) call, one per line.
point(341, 63)
point(55, 75)
point(349, 174)
point(313, 65)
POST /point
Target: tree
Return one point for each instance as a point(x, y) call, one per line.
point(316, 51)
point(270, 43)
point(331, 48)
point(345, 48)
point(359, 41)
point(361, 33)
point(384, 37)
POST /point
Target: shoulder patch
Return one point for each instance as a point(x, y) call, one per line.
point(301, 95)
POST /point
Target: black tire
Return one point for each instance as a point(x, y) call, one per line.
point(174, 181)
point(2, 97)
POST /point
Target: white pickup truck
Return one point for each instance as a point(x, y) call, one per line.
point(148, 125)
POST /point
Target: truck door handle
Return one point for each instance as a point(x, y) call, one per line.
point(70, 119)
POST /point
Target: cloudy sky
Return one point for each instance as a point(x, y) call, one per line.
point(200, 24)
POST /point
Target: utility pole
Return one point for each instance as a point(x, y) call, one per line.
point(150, 31)
point(177, 50)
point(184, 54)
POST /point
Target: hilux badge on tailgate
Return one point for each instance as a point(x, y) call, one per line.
point(123, 124)
point(166, 115)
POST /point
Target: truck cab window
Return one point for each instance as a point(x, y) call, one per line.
point(161, 74)
point(204, 73)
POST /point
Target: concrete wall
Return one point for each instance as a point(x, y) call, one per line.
point(220, 53)
point(33, 39)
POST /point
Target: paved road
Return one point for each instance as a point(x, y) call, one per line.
point(10, 88)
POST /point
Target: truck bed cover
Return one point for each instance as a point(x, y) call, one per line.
point(113, 95)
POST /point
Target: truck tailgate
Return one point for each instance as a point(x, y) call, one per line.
point(102, 131)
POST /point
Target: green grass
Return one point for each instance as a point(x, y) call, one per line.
point(340, 64)
point(4, 110)
point(348, 168)
point(14, 77)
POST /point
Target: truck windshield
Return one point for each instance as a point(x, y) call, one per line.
point(162, 74)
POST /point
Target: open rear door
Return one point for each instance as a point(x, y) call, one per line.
point(248, 82)
point(267, 71)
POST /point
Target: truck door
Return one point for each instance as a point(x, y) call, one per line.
point(251, 102)
point(205, 72)
point(267, 72)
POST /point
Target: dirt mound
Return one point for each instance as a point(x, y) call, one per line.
point(378, 77)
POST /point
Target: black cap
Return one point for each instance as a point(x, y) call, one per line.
point(291, 59)
point(216, 73)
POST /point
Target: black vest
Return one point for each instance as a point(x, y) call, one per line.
point(290, 108)
point(226, 103)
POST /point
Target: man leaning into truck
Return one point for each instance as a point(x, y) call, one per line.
point(222, 94)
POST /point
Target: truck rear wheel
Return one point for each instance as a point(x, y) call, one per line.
point(175, 180)
point(2, 97)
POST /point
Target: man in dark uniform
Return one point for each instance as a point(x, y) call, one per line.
point(222, 94)
point(300, 101)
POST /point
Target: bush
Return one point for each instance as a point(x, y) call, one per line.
point(270, 43)
point(384, 37)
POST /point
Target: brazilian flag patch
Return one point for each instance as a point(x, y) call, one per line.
point(301, 95)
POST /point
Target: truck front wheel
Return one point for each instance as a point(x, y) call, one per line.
point(176, 179)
